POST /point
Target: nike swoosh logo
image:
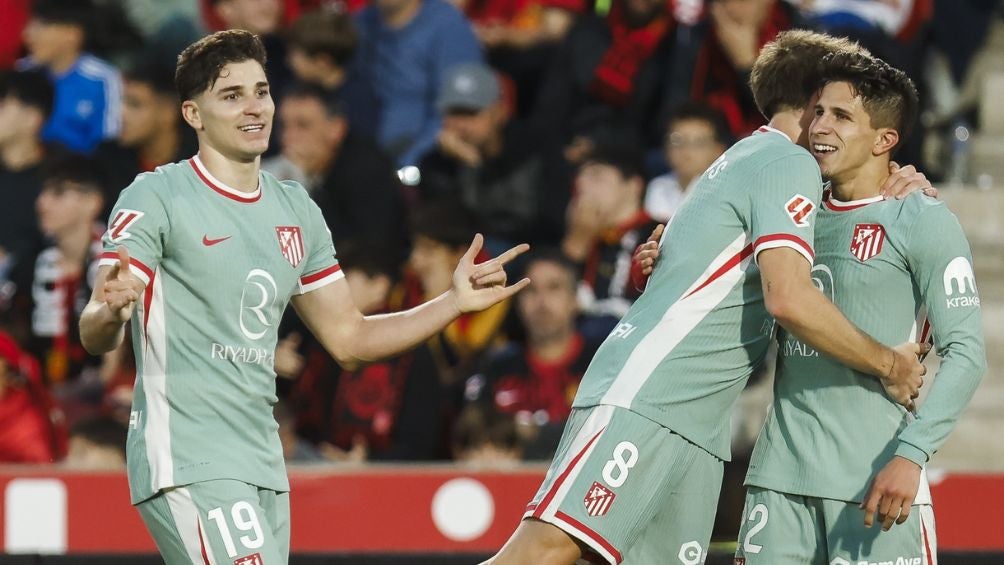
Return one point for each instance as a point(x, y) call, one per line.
point(208, 242)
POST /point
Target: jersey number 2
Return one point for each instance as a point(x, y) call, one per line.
point(758, 513)
point(245, 520)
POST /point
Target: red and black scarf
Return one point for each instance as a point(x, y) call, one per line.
point(630, 47)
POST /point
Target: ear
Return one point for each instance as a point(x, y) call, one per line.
point(190, 112)
point(885, 140)
point(338, 130)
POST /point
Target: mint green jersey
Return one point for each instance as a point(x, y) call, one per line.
point(220, 267)
point(683, 352)
point(900, 270)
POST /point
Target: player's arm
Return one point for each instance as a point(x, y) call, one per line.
point(112, 302)
point(941, 264)
point(800, 308)
point(353, 339)
point(784, 198)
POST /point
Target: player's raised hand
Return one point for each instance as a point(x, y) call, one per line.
point(892, 493)
point(477, 286)
point(644, 259)
point(904, 180)
point(906, 375)
point(121, 289)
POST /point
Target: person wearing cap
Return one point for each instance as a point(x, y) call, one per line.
point(493, 164)
point(88, 89)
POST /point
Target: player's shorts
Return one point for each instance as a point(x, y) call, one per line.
point(786, 529)
point(630, 490)
point(221, 522)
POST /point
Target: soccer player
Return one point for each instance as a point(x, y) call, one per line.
point(638, 471)
point(895, 268)
point(203, 256)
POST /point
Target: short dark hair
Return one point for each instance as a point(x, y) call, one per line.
point(325, 31)
point(555, 256)
point(887, 94)
point(372, 258)
point(444, 221)
point(199, 65)
point(31, 88)
point(332, 105)
point(102, 430)
point(159, 78)
point(626, 157)
point(786, 73)
point(66, 166)
point(700, 111)
point(78, 12)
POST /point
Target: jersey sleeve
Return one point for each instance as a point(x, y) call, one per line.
point(139, 222)
point(784, 201)
point(321, 266)
point(941, 264)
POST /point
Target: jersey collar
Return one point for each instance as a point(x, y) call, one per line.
point(838, 206)
point(222, 188)
point(768, 129)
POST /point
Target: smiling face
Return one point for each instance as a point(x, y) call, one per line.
point(841, 137)
point(234, 115)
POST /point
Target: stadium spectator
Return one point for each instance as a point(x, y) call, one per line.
point(69, 208)
point(25, 103)
point(97, 444)
point(352, 180)
point(152, 132)
point(88, 90)
point(696, 136)
point(263, 18)
point(31, 424)
point(439, 229)
point(391, 410)
point(519, 37)
point(610, 73)
point(321, 47)
point(483, 437)
point(496, 166)
point(606, 221)
point(405, 49)
point(535, 382)
point(732, 36)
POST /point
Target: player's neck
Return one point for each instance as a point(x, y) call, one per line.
point(788, 122)
point(861, 183)
point(239, 175)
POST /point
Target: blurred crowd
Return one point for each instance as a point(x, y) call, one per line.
point(574, 125)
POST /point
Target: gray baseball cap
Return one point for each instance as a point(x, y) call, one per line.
point(468, 86)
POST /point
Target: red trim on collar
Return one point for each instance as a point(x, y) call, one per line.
point(220, 191)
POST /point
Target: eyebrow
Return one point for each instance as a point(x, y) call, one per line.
point(238, 88)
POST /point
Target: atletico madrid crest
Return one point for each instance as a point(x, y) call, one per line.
point(598, 500)
point(867, 241)
point(253, 559)
point(290, 243)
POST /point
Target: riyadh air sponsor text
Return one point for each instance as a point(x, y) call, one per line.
point(242, 354)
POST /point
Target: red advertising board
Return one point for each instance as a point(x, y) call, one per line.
point(381, 509)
